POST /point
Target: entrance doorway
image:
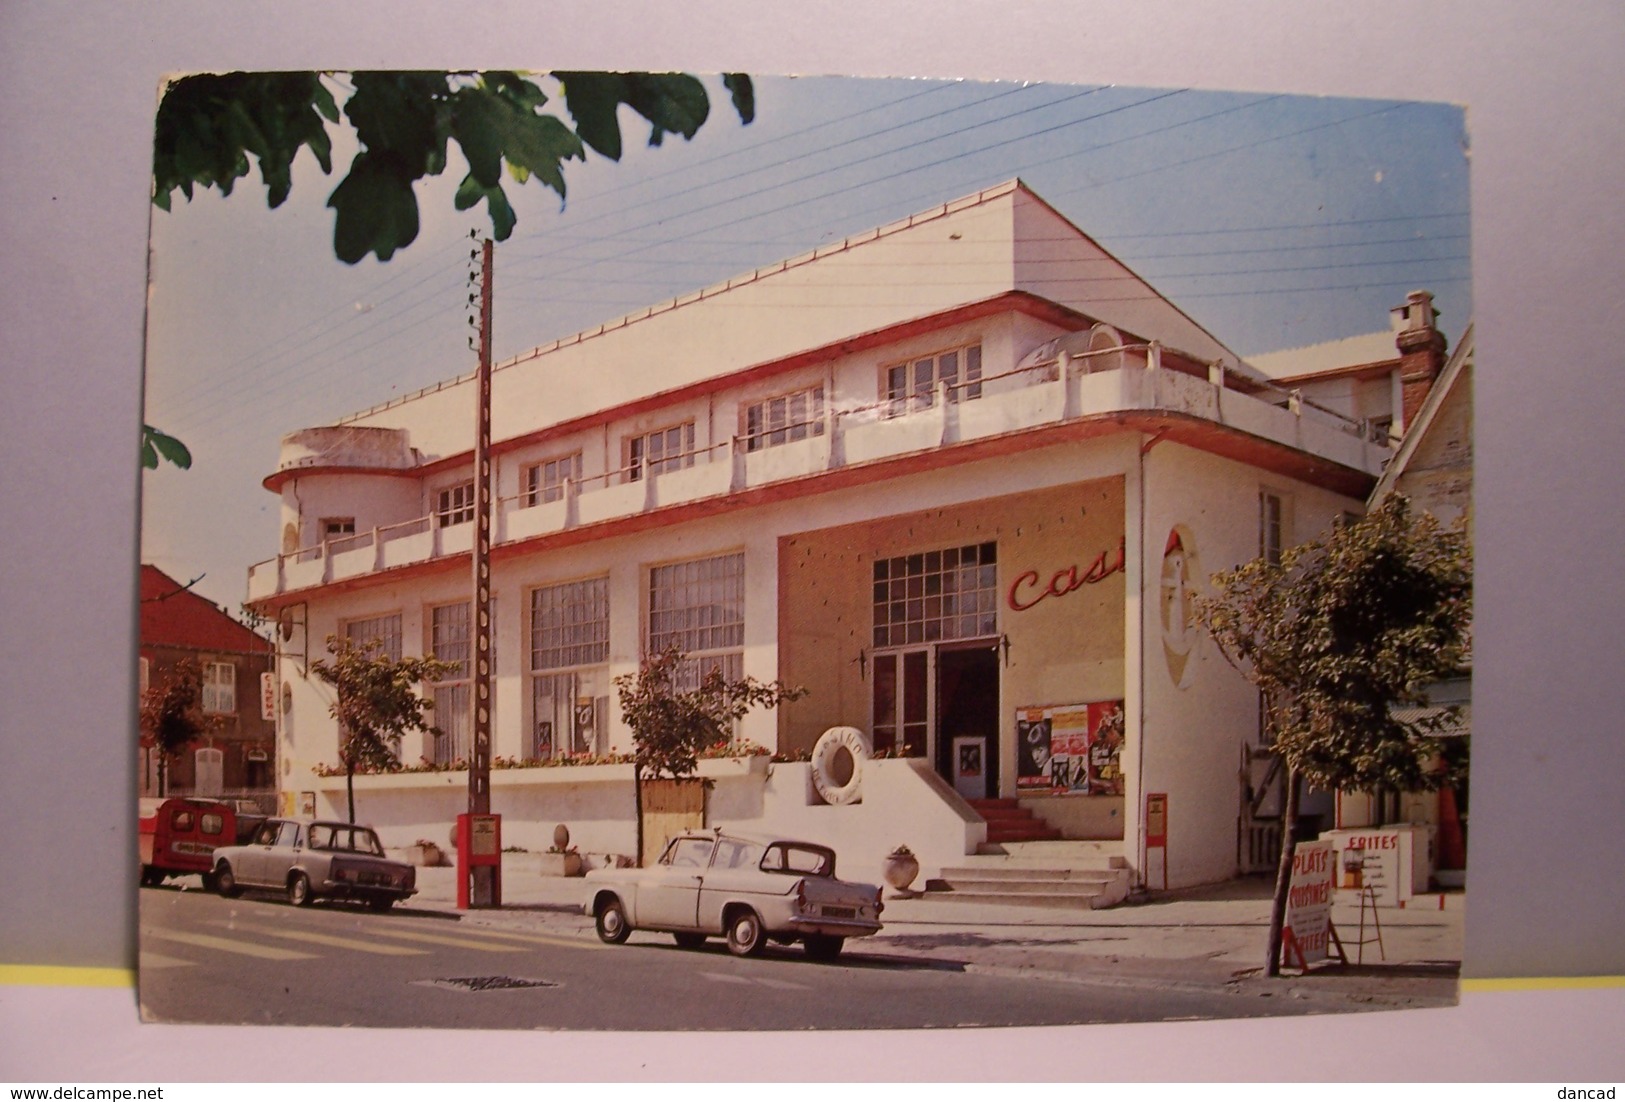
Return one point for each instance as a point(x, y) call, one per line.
point(942, 703)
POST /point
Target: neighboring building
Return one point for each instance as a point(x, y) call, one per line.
point(1434, 468)
point(236, 756)
point(958, 476)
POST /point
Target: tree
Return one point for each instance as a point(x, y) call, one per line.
point(375, 703)
point(671, 726)
point(1335, 636)
point(172, 716)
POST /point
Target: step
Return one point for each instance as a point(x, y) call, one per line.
point(1036, 832)
point(1007, 872)
point(1025, 887)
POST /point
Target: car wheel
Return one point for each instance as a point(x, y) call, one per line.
point(823, 947)
point(299, 890)
point(150, 877)
point(225, 881)
point(381, 902)
point(689, 941)
point(206, 877)
point(745, 937)
point(612, 925)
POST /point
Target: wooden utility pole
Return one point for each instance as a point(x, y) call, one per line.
point(482, 877)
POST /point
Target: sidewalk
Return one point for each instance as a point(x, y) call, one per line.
point(1197, 938)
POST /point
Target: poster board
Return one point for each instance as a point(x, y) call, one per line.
point(1070, 749)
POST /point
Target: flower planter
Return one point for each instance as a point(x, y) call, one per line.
point(900, 869)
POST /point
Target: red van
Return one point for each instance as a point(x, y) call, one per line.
point(179, 836)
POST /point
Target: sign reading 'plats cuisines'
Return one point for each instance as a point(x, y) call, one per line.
point(1309, 904)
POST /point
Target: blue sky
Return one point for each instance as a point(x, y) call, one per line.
point(1274, 221)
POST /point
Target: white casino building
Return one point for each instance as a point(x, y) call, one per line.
point(957, 477)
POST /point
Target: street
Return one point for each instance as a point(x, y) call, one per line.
point(257, 960)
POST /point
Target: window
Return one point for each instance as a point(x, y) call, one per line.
point(1271, 525)
point(544, 482)
point(666, 450)
point(569, 644)
point(913, 386)
point(699, 607)
point(784, 419)
point(450, 641)
point(219, 688)
point(936, 596)
point(337, 528)
point(384, 629)
point(455, 505)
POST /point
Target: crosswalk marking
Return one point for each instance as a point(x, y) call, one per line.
point(226, 945)
point(460, 942)
point(756, 981)
point(542, 939)
point(338, 942)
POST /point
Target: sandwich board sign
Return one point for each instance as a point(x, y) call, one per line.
point(1308, 935)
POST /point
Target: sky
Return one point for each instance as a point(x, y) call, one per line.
point(1274, 221)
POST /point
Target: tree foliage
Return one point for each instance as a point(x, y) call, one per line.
point(375, 702)
point(172, 713)
point(671, 725)
point(209, 125)
point(1340, 632)
point(1337, 635)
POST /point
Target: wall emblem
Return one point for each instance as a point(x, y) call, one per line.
point(1180, 634)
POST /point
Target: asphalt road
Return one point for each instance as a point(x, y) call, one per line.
point(257, 960)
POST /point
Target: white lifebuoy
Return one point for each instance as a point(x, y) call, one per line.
point(827, 751)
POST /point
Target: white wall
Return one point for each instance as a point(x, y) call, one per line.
point(1193, 729)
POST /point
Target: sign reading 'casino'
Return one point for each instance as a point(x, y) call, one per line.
point(1030, 588)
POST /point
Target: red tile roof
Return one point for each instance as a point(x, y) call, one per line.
point(173, 616)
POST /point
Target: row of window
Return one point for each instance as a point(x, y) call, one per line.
point(770, 423)
point(698, 607)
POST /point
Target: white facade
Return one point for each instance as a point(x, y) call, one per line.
point(744, 470)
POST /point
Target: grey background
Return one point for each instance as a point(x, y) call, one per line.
point(77, 93)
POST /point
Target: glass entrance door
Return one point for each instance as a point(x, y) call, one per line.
point(924, 698)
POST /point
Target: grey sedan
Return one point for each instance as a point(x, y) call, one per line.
point(314, 859)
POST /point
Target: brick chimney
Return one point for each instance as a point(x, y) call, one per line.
point(1421, 351)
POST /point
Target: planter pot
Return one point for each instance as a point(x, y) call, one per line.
point(900, 869)
point(427, 855)
point(560, 864)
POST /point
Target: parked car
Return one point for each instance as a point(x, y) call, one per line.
point(315, 859)
point(178, 837)
point(711, 884)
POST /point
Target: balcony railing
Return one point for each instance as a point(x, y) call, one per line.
point(1069, 387)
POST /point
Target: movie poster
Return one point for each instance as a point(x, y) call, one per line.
point(1070, 749)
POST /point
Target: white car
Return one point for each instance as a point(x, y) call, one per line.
point(710, 884)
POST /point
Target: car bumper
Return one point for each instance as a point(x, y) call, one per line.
point(832, 927)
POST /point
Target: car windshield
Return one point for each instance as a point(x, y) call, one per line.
point(735, 854)
point(345, 839)
point(800, 860)
point(689, 853)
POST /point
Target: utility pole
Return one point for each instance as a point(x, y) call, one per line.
point(479, 834)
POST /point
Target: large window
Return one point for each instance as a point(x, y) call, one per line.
point(544, 482)
point(699, 607)
point(385, 629)
point(936, 596)
point(913, 385)
point(785, 419)
point(454, 505)
point(656, 452)
point(449, 641)
point(569, 647)
point(219, 688)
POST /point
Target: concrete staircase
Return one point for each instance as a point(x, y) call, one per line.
point(1008, 821)
point(1045, 873)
